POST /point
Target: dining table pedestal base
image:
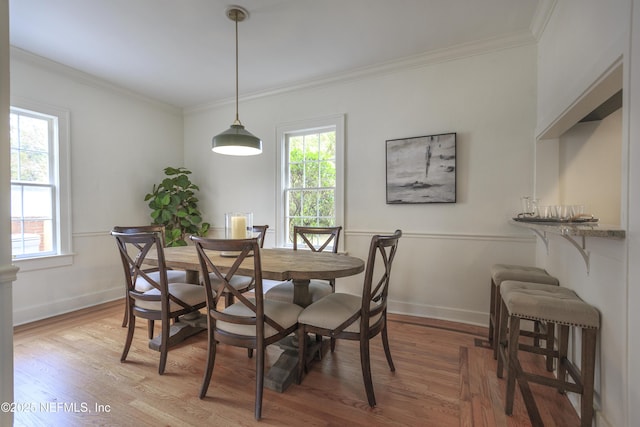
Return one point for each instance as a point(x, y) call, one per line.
point(188, 326)
point(283, 373)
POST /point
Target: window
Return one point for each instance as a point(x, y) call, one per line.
point(40, 214)
point(310, 175)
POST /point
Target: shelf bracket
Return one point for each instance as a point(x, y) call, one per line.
point(571, 231)
point(581, 248)
point(543, 237)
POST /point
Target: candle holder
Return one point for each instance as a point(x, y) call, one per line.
point(237, 225)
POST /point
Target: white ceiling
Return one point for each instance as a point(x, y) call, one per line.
point(182, 52)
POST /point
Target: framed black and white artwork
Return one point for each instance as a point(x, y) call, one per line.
point(422, 169)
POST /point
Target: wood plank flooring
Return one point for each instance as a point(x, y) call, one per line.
point(68, 373)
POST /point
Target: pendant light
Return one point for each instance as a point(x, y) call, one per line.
point(236, 140)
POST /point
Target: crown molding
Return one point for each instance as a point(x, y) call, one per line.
point(460, 51)
point(541, 17)
point(85, 78)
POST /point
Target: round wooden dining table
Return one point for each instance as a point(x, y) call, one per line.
point(277, 264)
point(299, 266)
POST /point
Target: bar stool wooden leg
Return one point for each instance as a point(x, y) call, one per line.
point(588, 375)
point(550, 340)
point(496, 316)
point(512, 358)
point(536, 329)
point(502, 341)
point(493, 318)
point(563, 345)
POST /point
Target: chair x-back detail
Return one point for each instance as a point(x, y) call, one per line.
point(262, 233)
point(243, 283)
point(163, 301)
point(316, 239)
point(173, 276)
point(252, 323)
point(355, 317)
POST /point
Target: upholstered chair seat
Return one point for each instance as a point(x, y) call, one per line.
point(285, 314)
point(188, 293)
point(335, 309)
point(535, 301)
point(173, 276)
point(284, 291)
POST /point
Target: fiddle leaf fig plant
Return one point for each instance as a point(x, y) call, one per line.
point(174, 204)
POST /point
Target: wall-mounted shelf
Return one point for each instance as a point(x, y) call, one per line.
point(571, 232)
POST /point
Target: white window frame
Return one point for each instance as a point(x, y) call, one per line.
point(282, 131)
point(61, 176)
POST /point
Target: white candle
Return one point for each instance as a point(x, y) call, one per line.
point(238, 227)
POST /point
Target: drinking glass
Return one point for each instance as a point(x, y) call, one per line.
point(534, 205)
point(525, 202)
point(544, 212)
point(577, 211)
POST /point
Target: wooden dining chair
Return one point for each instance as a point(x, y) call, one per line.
point(252, 323)
point(141, 284)
point(316, 239)
point(355, 317)
point(262, 233)
point(163, 301)
point(244, 283)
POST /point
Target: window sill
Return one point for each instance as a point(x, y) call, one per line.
point(43, 263)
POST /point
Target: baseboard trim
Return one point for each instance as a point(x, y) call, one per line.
point(62, 306)
point(437, 312)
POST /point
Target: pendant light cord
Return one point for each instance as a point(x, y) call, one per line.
point(237, 115)
point(236, 141)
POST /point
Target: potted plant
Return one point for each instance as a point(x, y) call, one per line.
point(174, 204)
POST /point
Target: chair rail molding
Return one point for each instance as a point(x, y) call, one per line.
point(522, 238)
point(8, 274)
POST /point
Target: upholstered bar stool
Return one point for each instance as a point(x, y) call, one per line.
point(521, 273)
point(553, 305)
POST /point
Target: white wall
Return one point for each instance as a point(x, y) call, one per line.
point(442, 263)
point(582, 42)
point(120, 144)
point(590, 167)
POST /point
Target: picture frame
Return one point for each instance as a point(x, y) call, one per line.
point(421, 169)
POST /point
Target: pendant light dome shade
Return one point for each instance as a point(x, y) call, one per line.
point(236, 141)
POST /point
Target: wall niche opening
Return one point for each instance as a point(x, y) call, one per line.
point(579, 156)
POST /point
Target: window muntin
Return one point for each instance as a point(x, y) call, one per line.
point(311, 178)
point(310, 165)
point(34, 189)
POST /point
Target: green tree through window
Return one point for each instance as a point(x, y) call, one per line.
point(33, 189)
point(310, 175)
point(311, 171)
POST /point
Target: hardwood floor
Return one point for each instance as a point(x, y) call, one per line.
point(68, 373)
